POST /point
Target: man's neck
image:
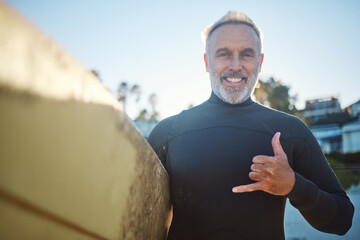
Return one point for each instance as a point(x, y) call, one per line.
point(215, 99)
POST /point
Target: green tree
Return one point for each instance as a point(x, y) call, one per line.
point(344, 173)
point(122, 93)
point(152, 114)
point(274, 94)
point(153, 100)
point(143, 115)
point(125, 91)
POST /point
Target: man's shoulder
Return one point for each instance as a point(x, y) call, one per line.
point(161, 131)
point(164, 125)
point(279, 115)
point(278, 120)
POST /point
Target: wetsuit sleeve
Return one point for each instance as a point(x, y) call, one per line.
point(159, 137)
point(317, 193)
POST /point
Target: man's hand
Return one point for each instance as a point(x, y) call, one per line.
point(272, 174)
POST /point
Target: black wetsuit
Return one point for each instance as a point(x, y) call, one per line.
point(208, 150)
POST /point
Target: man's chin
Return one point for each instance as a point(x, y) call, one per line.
point(233, 98)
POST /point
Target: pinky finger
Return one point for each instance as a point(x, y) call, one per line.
point(247, 188)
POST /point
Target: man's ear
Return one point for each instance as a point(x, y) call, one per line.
point(206, 63)
point(261, 61)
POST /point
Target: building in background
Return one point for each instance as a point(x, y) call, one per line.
point(351, 137)
point(329, 137)
point(336, 129)
point(354, 109)
point(317, 109)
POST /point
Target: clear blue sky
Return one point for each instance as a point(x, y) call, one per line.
point(311, 46)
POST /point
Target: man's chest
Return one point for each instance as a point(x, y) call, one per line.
point(215, 156)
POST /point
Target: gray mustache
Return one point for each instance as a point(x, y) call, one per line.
point(233, 75)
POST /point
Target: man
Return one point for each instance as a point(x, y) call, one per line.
point(230, 169)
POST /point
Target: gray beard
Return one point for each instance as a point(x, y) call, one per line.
point(230, 94)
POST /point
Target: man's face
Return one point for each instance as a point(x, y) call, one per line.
point(233, 60)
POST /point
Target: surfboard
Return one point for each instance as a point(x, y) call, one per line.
point(72, 163)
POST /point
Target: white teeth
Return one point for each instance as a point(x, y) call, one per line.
point(234, 79)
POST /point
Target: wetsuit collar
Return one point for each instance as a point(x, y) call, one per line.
point(215, 99)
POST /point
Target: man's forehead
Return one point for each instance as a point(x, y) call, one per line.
point(241, 31)
point(242, 24)
point(232, 29)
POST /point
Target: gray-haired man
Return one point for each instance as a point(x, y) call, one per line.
point(230, 170)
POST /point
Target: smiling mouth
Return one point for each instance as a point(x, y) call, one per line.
point(234, 80)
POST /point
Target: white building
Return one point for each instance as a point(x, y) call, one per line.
point(351, 136)
point(333, 137)
point(319, 108)
point(354, 109)
point(329, 137)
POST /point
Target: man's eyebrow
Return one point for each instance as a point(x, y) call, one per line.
point(220, 50)
point(249, 50)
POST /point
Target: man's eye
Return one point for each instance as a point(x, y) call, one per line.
point(223, 54)
point(247, 55)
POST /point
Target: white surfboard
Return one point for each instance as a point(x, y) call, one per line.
point(72, 164)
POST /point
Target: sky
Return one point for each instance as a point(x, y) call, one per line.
point(311, 46)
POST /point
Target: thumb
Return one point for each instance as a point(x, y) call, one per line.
point(275, 142)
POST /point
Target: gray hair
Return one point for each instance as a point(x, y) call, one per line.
point(231, 17)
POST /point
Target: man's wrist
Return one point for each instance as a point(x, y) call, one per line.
point(304, 194)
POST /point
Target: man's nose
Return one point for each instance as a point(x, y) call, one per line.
point(235, 65)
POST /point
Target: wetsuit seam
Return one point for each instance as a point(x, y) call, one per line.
point(222, 126)
point(161, 147)
point(166, 141)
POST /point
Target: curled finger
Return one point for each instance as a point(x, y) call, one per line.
point(258, 176)
point(258, 167)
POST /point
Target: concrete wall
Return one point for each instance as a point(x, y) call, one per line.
point(72, 164)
